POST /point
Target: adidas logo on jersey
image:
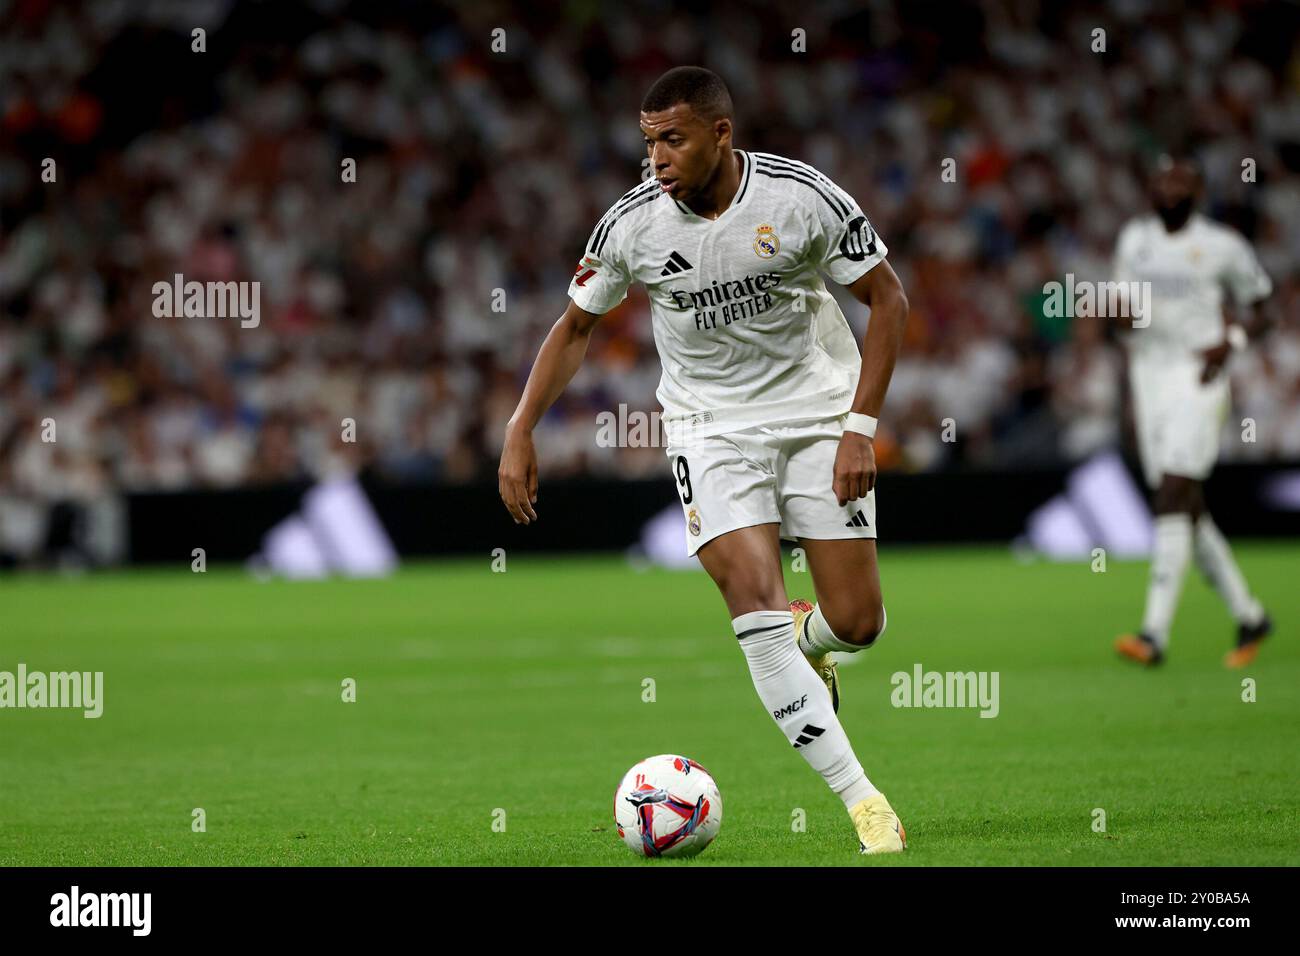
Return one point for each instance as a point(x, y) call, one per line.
point(676, 263)
point(859, 521)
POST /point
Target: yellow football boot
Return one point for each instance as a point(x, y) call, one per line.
point(879, 829)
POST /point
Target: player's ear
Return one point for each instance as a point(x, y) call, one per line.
point(722, 131)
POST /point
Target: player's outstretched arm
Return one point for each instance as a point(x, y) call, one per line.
point(557, 362)
point(881, 291)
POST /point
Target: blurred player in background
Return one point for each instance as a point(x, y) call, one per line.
point(1181, 395)
point(768, 405)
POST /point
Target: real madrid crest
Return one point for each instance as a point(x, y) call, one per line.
point(693, 522)
point(766, 244)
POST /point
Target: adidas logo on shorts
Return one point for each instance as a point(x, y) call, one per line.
point(859, 521)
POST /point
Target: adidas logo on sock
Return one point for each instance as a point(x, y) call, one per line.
point(804, 735)
point(676, 263)
point(859, 521)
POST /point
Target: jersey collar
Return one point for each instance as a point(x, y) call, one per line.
point(741, 192)
point(1195, 223)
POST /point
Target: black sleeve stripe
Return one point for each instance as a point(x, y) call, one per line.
point(844, 202)
point(636, 193)
point(607, 219)
point(763, 171)
point(795, 166)
point(623, 203)
point(610, 227)
point(748, 175)
point(811, 170)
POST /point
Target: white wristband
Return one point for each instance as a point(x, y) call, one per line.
point(1236, 337)
point(862, 424)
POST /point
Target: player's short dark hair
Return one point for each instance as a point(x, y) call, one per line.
point(700, 89)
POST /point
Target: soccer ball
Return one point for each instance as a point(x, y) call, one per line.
point(667, 806)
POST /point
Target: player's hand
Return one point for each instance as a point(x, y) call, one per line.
point(517, 475)
point(855, 468)
point(1214, 361)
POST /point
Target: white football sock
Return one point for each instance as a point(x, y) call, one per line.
point(1169, 557)
point(796, 698)
point(1214, 558)
point(818, 638)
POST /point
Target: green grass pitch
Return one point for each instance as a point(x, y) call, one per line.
point(522, 691)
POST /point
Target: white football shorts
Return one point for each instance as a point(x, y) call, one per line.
point(1177, 419)
point(768, 474)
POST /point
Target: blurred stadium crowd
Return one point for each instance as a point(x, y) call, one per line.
point(481, 171)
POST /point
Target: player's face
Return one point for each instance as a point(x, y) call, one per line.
point(1173, 190)
point(684, 149)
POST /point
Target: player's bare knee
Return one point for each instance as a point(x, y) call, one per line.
point(861, 626)
point(872, 626)
point(1176, 496)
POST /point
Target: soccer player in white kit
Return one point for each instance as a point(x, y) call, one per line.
point(769, 409)
point(1180, 396)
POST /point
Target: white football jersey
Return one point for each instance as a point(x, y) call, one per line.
point(746, 331)
point(1189, 271)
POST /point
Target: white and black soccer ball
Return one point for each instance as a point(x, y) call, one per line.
point(667, 806)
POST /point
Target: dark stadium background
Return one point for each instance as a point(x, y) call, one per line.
point(480, 171)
